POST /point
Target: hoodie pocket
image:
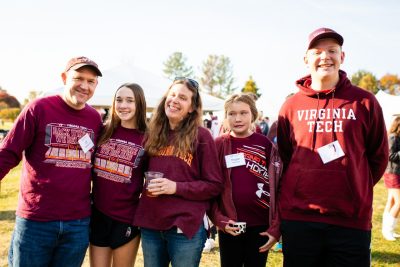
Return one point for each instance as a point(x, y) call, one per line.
point(325, 192)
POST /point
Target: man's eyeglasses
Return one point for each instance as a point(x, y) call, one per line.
point(192, 82)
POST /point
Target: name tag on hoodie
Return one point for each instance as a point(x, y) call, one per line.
point(330, 152)
point(234, 160)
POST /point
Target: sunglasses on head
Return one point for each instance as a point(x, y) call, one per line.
point(192, 82)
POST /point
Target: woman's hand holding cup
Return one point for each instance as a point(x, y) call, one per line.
point(161, 186)
point(235, 228)
point(151, 176)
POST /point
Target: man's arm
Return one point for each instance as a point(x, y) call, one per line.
point(377, 142)
point(17, 140)
point(284, 144)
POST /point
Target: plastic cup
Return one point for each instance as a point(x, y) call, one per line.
point(150, 175)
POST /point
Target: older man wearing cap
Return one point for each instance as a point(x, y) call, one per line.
point(56, 136)
point(332, 140)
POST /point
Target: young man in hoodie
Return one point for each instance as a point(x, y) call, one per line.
point(333, 144)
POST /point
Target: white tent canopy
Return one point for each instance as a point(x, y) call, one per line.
point(390, 106)
point(154, 87)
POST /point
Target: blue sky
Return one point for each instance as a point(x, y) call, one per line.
point(263, 38)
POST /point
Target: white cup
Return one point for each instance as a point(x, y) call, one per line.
point(241, 226)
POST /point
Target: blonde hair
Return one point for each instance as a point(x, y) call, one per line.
point(395, 127)
point(245, 98)
point(186, 131)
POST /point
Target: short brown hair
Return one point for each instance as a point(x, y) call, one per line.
point(395, 127)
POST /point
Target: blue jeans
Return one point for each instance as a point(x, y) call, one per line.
point(162, 247)
point(55, 243)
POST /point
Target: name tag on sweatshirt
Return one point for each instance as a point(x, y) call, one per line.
point(234, 160)
point(86, 143)
point(330, 152)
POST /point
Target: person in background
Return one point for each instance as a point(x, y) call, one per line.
point(171, 214)
point(212, 234)
point(264, 125)
point(118, 180)
point(333, 143)
point(208, 120)
point(56, 136)
point(215, 127)
point(250, 188)
point(272, 136)
point(272, 133)
point(392, 182)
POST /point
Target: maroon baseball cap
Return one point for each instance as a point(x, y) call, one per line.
point(323, 33)
point(79, 62)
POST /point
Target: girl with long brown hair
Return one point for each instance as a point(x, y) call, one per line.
point(118, 180)
point(171, 213)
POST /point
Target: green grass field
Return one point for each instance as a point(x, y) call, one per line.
point(384, 253)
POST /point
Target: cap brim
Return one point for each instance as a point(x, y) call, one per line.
point(332, 35)
point(78, 66)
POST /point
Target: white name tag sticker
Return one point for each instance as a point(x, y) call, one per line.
point(86, 143)
point(234, 160)
point(330, 152)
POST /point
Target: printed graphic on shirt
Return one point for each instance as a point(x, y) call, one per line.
point(325, 120)
point(63, 147)
point(170, 151)
point(256, 162)
point(116, 159)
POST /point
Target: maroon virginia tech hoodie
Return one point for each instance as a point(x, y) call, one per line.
point(338, 192)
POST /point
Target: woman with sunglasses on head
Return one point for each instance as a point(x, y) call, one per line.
point(171, 217)
point(251, 169)
point(118, 179)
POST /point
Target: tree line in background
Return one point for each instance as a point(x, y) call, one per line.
point(216, 78)
point(389, 83)
point(10, 107)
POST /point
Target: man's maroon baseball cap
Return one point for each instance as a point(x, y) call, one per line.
point(323, 33)
point(79, 62)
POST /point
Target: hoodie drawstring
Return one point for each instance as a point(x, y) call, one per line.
point(314, 133)
point(333, 117)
